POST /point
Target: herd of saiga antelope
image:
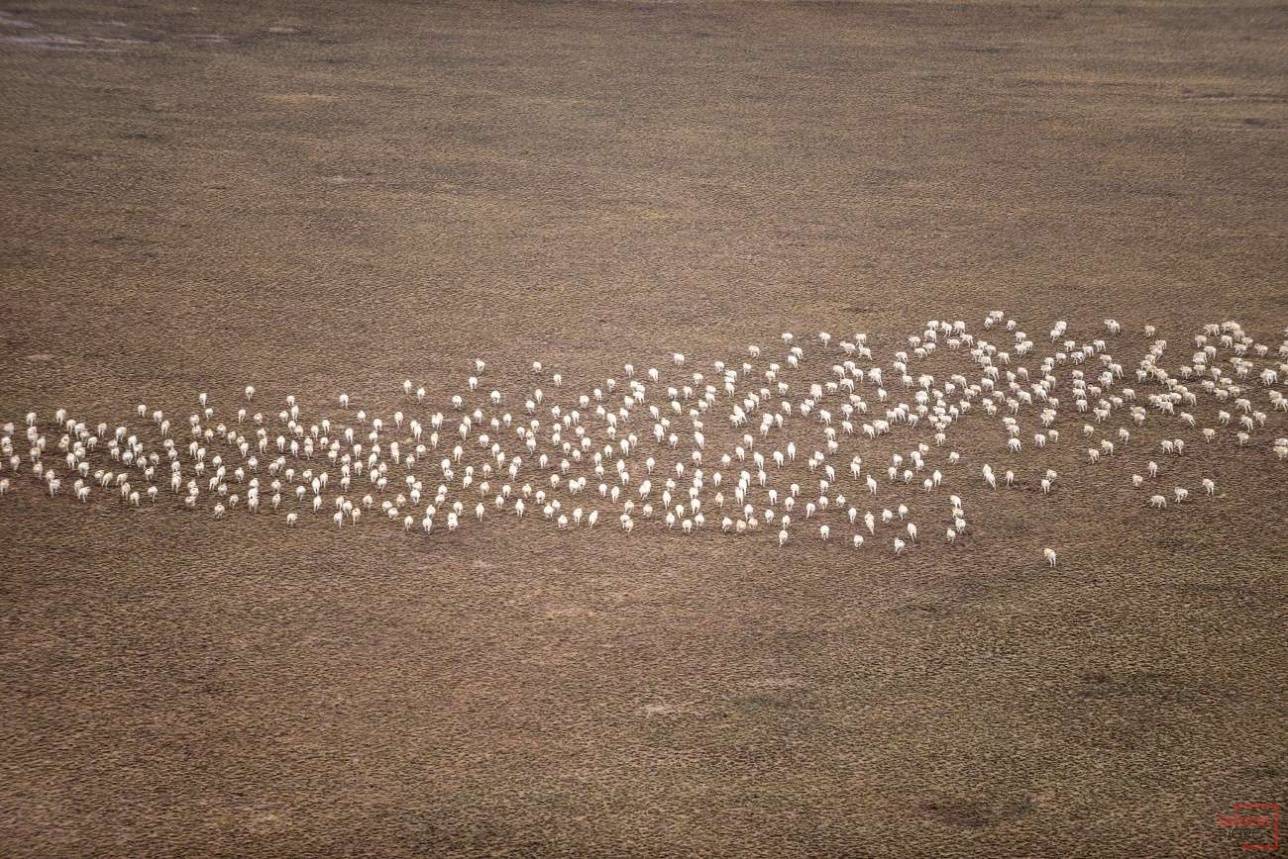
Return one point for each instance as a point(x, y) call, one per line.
point(771, 442)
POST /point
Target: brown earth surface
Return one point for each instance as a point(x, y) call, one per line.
point(335, 198)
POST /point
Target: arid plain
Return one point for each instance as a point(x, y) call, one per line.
point(335, 198)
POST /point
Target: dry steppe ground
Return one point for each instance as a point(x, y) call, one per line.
point(321, 197)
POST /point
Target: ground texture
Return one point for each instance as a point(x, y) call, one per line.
point(200, 198)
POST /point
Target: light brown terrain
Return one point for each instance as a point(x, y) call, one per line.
point(315, 200)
